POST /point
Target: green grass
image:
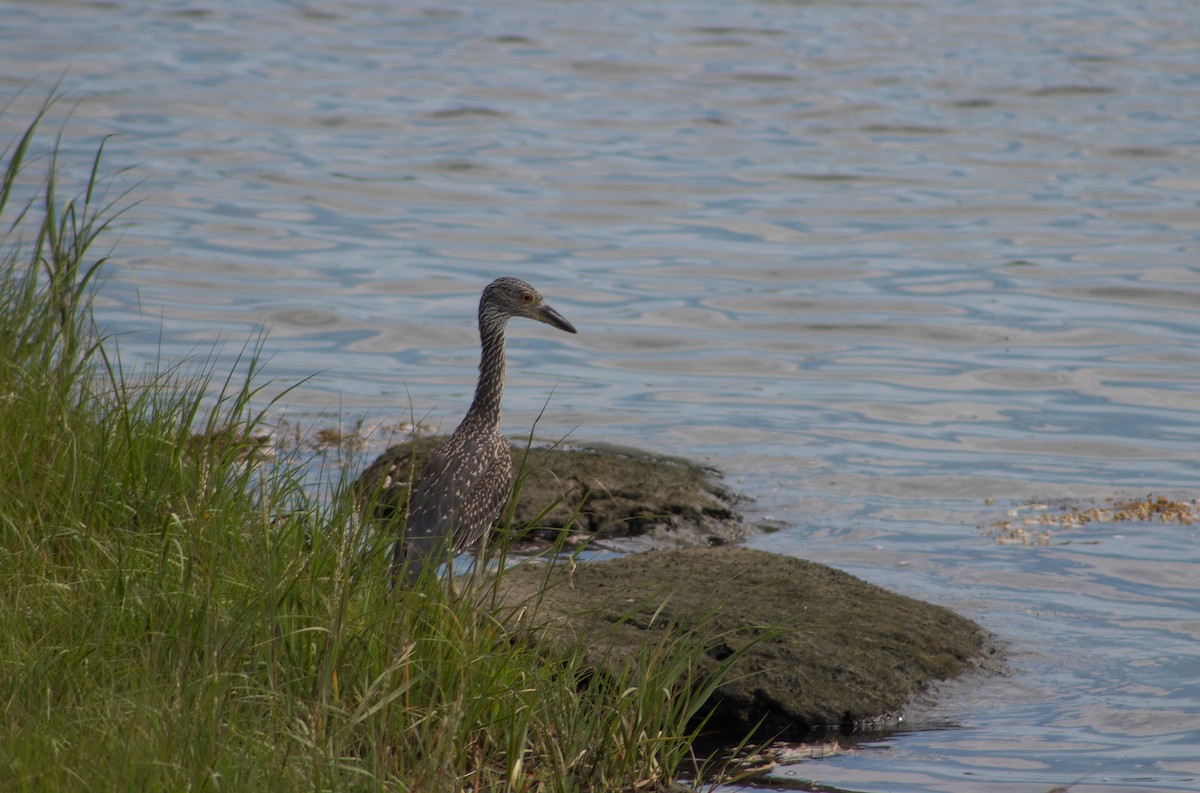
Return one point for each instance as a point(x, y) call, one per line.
point(175, 618)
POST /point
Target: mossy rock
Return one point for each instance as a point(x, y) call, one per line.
point(818, 647)
point(596, 491)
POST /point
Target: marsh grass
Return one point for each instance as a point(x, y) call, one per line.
point(177, 616)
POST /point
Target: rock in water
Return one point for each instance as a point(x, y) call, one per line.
point(821, 647)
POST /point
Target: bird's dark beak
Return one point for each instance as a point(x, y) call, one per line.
point(552, 317)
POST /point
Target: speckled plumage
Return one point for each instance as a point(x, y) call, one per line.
point(464, 484)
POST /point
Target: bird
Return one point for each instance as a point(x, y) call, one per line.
point(466, 481)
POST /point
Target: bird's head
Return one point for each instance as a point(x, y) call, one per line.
point(512, 297)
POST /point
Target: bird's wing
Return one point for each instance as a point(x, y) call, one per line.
point(462, 488)
point(486, 496)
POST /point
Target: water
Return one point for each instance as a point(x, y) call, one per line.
point(896, 267)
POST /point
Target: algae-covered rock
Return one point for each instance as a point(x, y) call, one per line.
point(819, 646)
point(811, 646)
point(598, 491)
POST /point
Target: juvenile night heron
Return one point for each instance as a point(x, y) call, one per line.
point(465, 482)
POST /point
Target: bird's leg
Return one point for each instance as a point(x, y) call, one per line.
point(397, 562)
point(480, 551)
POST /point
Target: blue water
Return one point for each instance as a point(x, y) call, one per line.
point(896, 267)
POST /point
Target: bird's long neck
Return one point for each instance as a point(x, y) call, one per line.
point(489, 391)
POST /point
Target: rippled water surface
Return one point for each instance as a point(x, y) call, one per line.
point(896, 267)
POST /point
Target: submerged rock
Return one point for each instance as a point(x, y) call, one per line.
point(594, 491)
point(815, 647)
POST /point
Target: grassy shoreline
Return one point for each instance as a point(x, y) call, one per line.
point(177, 619)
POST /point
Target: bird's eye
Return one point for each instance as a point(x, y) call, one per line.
point(526, 298)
